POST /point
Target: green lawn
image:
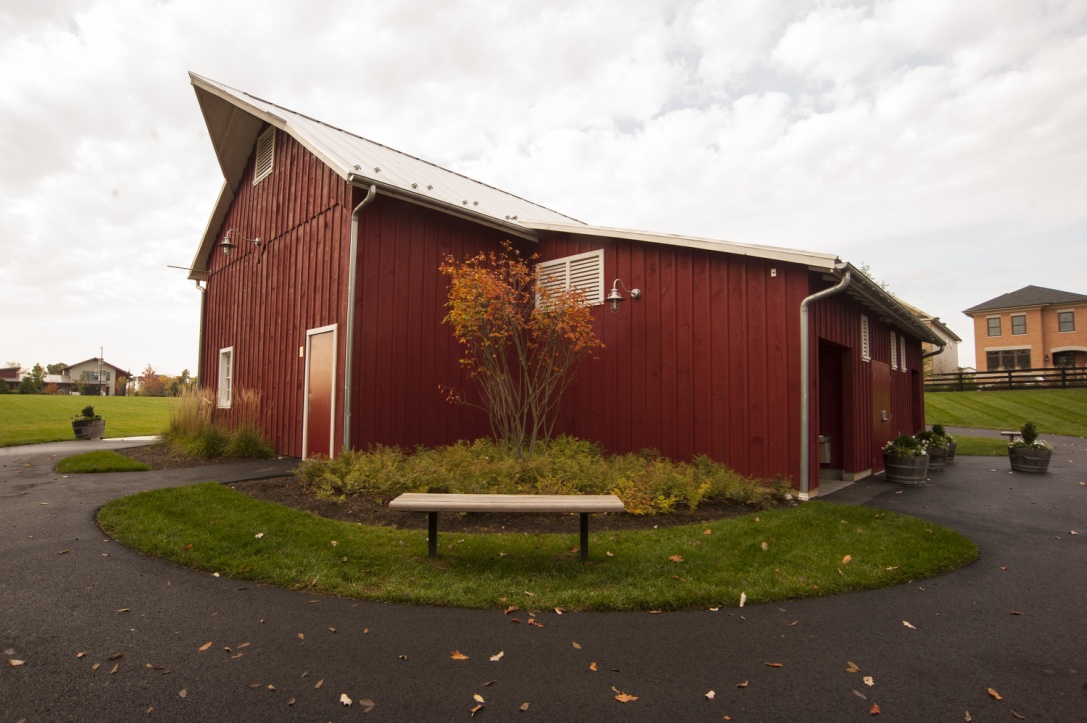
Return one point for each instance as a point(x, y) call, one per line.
point(815, 549)
point(981, 446)
point(34, 418)
point(1055, 411)
point(103, 460)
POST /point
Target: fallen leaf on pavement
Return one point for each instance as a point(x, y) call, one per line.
point(623, 697)
point(860, 695)
point(995, 694)
point(290, 702)
point(252, 684)
point(183, 693)
point(116, 656)
point(592, 666)
point(852, 667)
point(772, 665)
point(908, 625)
point(345, 700)
point(869, 681)
point(1020, 717)
point(80, 655)
point(968, 717)
point(204, 647)
point(742, 685)
point(498, 656)
point(15, 663)
point(115, 667)
point(873, 709)
point(366, 705)
point(511, 609)
point(478, 698)
point(272, 688)
point(301, 636)
point(319, 683)
point(476, 710)
point(576, 646)
point(63, 551)
point(711, 695)
point(96, 666)
point(1016, 612)
point(125, 610)
point(523, 707)
point(458, 655)
point(489, 683)
point(332, 630)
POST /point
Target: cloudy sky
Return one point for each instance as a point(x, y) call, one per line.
point(944, 144)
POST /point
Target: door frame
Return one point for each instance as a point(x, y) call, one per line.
point(310, 333)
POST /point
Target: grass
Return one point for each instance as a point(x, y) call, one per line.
point(981, 446)
point(101, 461)
point(1055, 411)
point(36, 418)
point(215, 529)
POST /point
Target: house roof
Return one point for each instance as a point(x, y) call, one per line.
point(105, 363)
point(1028, 296)
point(235, 118)
point(934, 321)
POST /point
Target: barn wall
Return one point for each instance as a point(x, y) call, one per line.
point(262, 299)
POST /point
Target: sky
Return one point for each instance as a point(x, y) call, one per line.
point(942, 144)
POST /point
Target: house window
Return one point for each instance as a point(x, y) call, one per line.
point(994, 325)
point(866, 352)
point(1066, 321)
point(1007, 359)
point(1065, 359)
point(583, 272)
point(266, 152)
point(1019, 324)
point(226, 376)
point(894, 351)
point(902, 352)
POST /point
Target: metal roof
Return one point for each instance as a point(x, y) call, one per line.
point(1028, 296)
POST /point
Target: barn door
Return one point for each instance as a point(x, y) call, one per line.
point(319, 408)
point(881, 412)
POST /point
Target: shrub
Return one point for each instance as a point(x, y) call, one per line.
point(646, 482)
point(932, 439)
point(905, 446)
point(1029, 432)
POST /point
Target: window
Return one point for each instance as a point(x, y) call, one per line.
point(894, 351)
point(902, 352)
point(994, 325)
point(226, 374)
point(582, 271)
point(866, 352)
point(1007, 359)
point(1019, 324)
point(1066, 321)
point(266, 152)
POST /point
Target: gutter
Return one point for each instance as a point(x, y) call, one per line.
point(371, 194)
point(805, 381)
point(203, 325)
point(939, 348)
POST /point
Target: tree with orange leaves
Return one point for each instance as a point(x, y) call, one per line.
point(522, 339)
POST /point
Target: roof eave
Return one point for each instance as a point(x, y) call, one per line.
point(879, 300)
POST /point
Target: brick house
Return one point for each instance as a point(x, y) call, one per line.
point(1032, 328)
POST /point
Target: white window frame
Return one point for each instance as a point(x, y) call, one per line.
point(584, 272)
point(894, 351)
point(866, 349)
point(265, 156)
point(226, 377)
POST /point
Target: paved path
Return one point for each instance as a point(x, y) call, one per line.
point(965, 639)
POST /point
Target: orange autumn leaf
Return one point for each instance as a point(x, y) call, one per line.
point(995, 694)
point(623, 697)
point(675, 558)
point(772, 665)
point(458, 655)
point(205, 646)
point(873, 709)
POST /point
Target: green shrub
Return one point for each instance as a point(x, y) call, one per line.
point(646, 482)
point(195, 430)
point(905, 445)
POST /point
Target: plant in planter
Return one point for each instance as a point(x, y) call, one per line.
point(906, 460)
point(952, 445)
point(88, 425)
point(937, 446)
point(1030, 454)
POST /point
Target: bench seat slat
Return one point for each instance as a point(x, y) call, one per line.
point(428, 502)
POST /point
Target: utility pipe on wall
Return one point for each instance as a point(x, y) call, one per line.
point(203, 324)
point(805, 382)
point(371, 194)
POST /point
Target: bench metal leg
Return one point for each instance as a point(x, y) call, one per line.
point(432, 534)
point(584, 536)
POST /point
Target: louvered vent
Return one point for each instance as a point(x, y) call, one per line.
point(866, 353)
point(583, 271)
point(266, 153)
point(894, 351)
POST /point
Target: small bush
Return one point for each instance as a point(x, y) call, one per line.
point(647, 483)
point(195, 430)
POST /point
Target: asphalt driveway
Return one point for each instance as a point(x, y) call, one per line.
point(71, 599)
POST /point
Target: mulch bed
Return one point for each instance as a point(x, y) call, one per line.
point(289, 492)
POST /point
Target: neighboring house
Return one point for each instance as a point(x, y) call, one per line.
point(1032, 328)
point(97, 374)
point(946, 360)
point(11, 376)
point(321, 290)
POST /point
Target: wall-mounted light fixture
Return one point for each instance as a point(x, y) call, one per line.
point(228, 245)
point(615, 298)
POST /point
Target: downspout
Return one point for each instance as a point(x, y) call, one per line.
point(805, 382)
point(203, 326)
point(371, 194)
point(939, 348)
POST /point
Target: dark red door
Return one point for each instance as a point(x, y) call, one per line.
point(881, 412)
point(319, 372)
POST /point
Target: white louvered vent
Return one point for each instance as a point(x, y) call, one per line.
point(582, 271)
point(266, 153)
point(866, 353)
point(902, 352)
point(894, 351)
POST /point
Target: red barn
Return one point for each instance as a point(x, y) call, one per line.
point(320, 288)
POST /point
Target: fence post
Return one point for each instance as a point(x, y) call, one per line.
point(1064, 378)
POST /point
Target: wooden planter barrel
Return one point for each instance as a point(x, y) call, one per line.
point(912, 470)
point(937, 458)
point(951, 452)
point(1025, 459)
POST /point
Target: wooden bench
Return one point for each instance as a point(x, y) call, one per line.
point(432, 504)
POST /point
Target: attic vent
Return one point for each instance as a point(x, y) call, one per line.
point(582, 271)
point(894, 351)
point(266, 152)
point(866, 352)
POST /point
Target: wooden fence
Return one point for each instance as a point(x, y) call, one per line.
point(1054, 378)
